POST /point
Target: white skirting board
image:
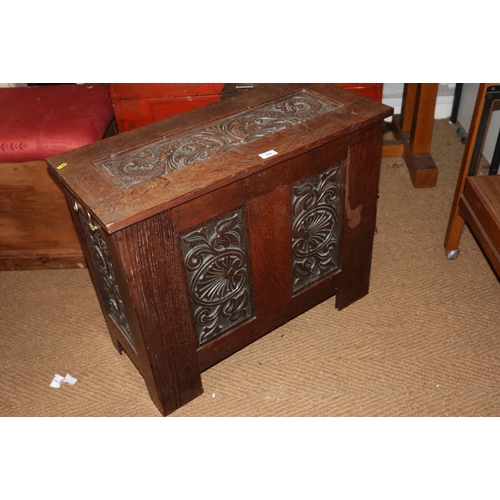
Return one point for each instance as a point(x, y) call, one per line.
point(443, 106)
point(393, 96)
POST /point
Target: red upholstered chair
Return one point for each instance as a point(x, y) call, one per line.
point(36, 228)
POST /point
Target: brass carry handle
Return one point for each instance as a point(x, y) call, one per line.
point(93, 227)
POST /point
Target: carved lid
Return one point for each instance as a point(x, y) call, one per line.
point(126, 178)
point(186, 148)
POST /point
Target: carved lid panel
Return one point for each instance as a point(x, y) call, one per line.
point(129, 177)
point(181, 150)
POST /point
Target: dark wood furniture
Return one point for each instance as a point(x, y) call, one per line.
point(477, 197)
point(412, 130)
point(209, 229)
point(138, 104)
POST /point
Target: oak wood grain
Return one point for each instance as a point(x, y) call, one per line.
point(195, 264)
point(36, 228)
point(117, 208)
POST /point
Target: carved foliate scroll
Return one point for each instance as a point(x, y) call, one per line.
point(316, 226)
point(105, 273)
point(180, 150)
point(218, 274)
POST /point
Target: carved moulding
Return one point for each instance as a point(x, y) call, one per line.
point(316, 226)
point(105, 273)
point(218, 274)
point(180, 150)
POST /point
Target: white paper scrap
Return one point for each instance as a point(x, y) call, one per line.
point(58, 380)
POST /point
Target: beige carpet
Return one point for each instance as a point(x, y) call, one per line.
point(424, 342)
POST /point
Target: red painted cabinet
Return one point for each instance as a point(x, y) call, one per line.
point(370, 90)
point(139, 104)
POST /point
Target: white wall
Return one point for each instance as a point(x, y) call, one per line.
point(393, 96)
point(467, 103)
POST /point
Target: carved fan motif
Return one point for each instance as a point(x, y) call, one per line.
point(215, 260)
point(316, 221)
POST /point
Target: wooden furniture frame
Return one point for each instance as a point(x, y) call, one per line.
point(36, 227)
point(477, 197)
point(412, 130)
point(209, 229)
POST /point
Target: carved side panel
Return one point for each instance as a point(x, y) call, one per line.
point(316, 226)
point(105, 274)
point(218, 275)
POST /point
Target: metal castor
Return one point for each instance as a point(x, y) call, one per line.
point(453, 254)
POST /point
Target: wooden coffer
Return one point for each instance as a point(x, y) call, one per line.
point(204, 231)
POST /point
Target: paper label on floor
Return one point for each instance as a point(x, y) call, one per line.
point(58, 380)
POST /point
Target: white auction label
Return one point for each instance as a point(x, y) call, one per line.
point(268, 154)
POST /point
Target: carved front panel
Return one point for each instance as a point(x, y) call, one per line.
point(105, 273)
point(181, 150)
point(316, 226)
point(218, 274)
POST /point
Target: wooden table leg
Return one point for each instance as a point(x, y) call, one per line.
point(408, 106)
point(413, 133)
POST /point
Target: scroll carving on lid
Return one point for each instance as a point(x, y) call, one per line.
point(180, 150)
